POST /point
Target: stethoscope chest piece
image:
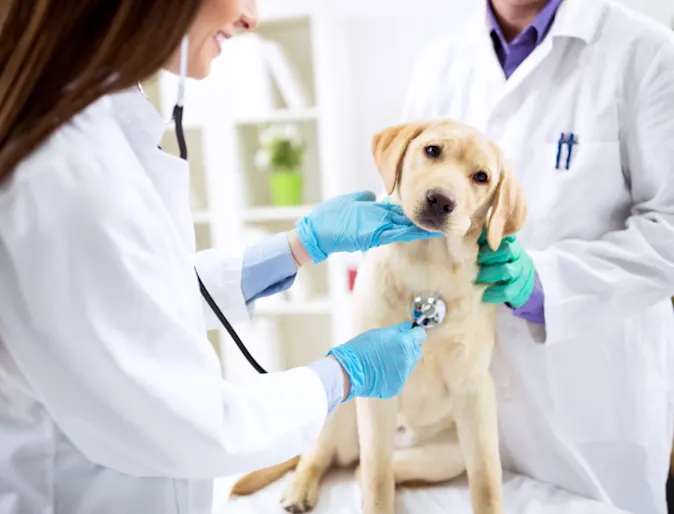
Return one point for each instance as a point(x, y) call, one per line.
point(428, 310)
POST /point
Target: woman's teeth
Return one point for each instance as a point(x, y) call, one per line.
point(221, 36)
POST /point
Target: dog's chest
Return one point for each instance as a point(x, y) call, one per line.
point(424, 405)
point(387, 283)
point(390, 278)
point(457, 291)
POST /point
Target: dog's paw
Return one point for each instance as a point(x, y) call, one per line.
point(297, 509)
point(302, 493)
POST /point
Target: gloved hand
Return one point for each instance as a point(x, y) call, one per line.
point(355, 222)
point(379, 361)
point(509, 272)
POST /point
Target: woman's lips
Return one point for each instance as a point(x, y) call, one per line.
point(220, 38)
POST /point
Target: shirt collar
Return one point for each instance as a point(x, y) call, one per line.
point(538, 28)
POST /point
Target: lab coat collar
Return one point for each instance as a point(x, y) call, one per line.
point(575, 19)
point(138, 118)
point(579, 19)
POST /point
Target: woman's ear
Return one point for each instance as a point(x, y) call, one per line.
point(389, 147)
point(509, 210)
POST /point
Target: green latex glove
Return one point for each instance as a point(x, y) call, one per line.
point(509, 272)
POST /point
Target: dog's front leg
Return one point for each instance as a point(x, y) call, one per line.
point(474, 400)
point(376, 431)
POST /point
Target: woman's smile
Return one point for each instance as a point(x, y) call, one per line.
point(220, 37)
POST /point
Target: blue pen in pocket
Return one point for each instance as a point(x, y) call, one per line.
point(571, 141)
point(560, 143)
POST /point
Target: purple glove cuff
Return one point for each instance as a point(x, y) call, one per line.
point(533, 311)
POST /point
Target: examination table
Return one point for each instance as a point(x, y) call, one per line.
point(341, 495)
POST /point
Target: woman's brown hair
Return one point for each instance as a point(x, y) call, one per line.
point(59, 56)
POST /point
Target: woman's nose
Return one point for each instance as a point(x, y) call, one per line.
point(249, 20)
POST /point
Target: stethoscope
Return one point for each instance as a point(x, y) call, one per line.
point(427, 310)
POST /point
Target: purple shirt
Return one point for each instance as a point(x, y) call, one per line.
point(511, 55)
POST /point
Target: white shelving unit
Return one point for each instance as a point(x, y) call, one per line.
point(230, 196)
point(280, 116)
point(275, 214)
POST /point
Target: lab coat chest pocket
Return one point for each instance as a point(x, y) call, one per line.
point(572, 170)
point(571, 189)
point(583, 138)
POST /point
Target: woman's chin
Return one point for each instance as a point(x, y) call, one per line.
point(199, 65)
point(200, 70)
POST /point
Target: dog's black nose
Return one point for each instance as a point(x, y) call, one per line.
point(440, 204)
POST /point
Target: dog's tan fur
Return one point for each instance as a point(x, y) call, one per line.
point(444, 421)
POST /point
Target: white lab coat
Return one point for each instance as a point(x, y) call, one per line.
point(587, 402)
point(111, 397)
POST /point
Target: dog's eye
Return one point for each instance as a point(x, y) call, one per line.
point(481, 177)
point(433, 151)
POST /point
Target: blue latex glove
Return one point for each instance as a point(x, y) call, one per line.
point(355, 222)
point(509, 271)
point(379, 361)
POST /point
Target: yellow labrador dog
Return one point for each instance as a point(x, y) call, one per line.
point(450, 178)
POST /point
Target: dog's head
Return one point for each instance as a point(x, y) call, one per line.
point(448, 176)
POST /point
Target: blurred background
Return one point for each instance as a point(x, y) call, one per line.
point(284, 122)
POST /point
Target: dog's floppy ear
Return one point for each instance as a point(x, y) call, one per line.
point(508, 211)
point(389, 147)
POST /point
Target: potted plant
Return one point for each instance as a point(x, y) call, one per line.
point(281, 153)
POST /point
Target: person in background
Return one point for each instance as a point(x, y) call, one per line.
point(580, 95)
point(111, 396)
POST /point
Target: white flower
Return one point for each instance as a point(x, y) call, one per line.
point(262, 159)
point(274, 134)
point(290, 132)
point(269, 135)
point(292, 135)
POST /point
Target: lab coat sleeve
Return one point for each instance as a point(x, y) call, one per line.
point(589, 284)
point(221, 271)
point(107, 328)
point(266, 268)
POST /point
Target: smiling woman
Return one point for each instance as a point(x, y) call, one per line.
point(56, 58)
point(217, 21)
point(111, 396)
